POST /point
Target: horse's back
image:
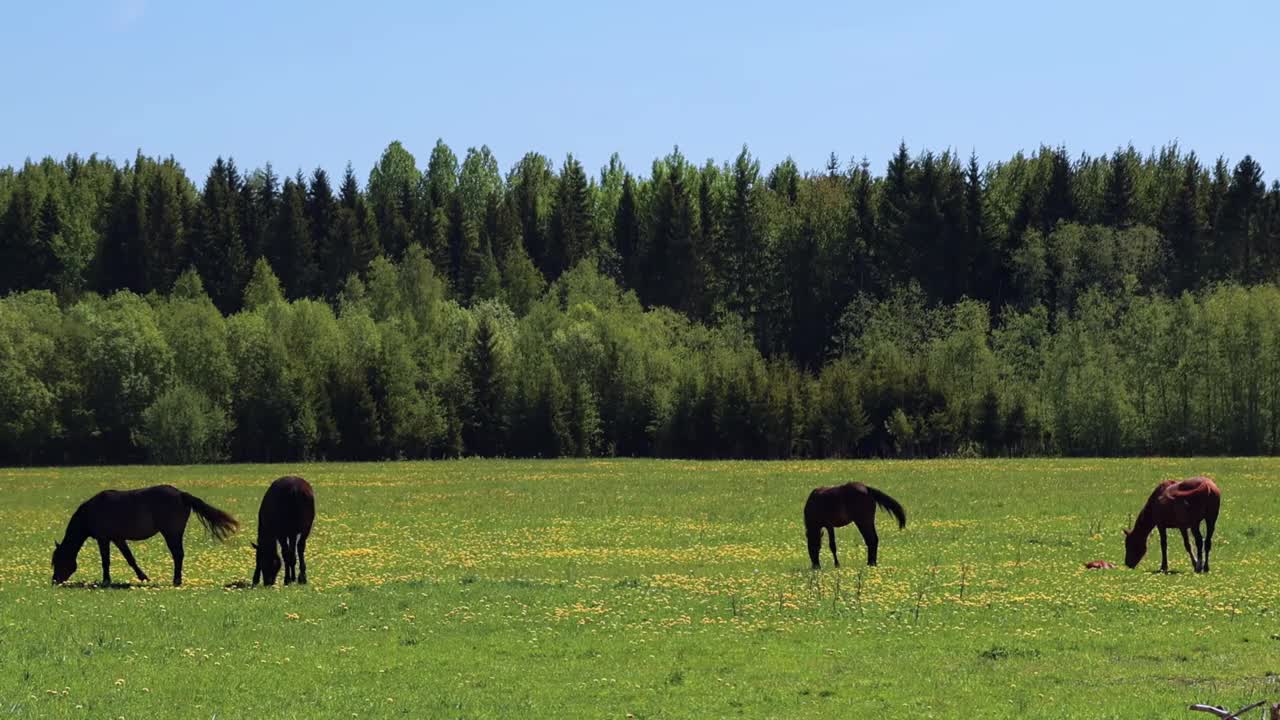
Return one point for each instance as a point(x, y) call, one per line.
point(831, 505)
point(289, 506)
point(132, 514)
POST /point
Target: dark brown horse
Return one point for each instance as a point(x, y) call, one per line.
point(833, 507)
point(117, 516)
point(285, 516)
point(1180, 505)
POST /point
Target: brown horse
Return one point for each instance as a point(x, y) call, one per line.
point(285, 516)
point(833, 507)
point(117, 516)
point(1180, 505)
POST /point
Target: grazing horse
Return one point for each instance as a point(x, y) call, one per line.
point(1180, 505)
point(285, 516)
point(117, 516)
point(833, 507)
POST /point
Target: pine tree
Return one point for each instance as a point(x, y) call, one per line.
point(983, 263)
point(485, 427)
point(572, 227)
point(674, 273)
point(123, 258)
point(1182, 224)
point(292, 250)
point(1239, 226)
point(1118, 197)
point(1059, 204)
point(167, 210)
point(356, 231)
point(260, 205)
point(626, 235)
point(533, 188)
point(217, 249)
point(742, 237)
point(321, 210)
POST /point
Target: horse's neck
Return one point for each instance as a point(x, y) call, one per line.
point(1146, 520)
point(77, 532)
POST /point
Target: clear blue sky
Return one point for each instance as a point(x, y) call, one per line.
point(302, 84)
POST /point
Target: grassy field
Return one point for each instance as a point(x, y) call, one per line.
point(615, 589)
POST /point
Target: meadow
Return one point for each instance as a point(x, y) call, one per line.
point(650, 589)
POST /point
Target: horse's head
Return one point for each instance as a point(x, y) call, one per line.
point(64, 563)
point(268, 563)
point(1135, 546)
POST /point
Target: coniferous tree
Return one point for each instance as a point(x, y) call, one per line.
point(626, 235)
point(321, 209)
point(486, 423)
point(356, 238)
point(123, 265)
point(674, 270)
point(293, 247)
point(1183, 225)
point(1119, 196)
point(1239, 227)
point(533, 188)
point(217, 250)
point(572, 226)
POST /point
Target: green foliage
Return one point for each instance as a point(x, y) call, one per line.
point(1102, 305)
point(263, 288)
point(183, 427)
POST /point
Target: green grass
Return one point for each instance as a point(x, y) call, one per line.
point(486, 589)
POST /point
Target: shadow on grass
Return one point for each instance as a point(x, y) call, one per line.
point(99, 586)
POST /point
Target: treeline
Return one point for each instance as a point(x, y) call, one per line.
point(1092, 306)
point(788, 253)
point(401, 370)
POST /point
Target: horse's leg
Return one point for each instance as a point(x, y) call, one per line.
point(1164, 550)
point(104, 547)
point(814, 535)
point(831, 540)
point(174, 541)
point(1195, 532)
point(302, 559)
point(1186, 542)
point(1209, 522)
point(868, 530)
point(128, 557)
point(290, 558)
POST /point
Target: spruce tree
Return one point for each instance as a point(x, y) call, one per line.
point(626, 235)
point(1118, 197)
point(572, 227)
point(485, 426)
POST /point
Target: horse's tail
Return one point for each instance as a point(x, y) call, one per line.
point(888, 503)
point(219, 523)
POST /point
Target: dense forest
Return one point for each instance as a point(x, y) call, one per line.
point(1124, 304)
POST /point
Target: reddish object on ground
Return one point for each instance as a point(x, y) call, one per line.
point(1099, 565)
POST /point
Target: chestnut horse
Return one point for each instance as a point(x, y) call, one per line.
point(117, 516)
point(285, 516)
point(833, 507)
point(1176, 504)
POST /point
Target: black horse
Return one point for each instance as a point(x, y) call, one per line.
point(285, 516)
point(117, 516)
point(833, 507)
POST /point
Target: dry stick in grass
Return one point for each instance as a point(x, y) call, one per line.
point(857, 593)
point(964, 578)
point(924, 586)
point(1225, 714)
